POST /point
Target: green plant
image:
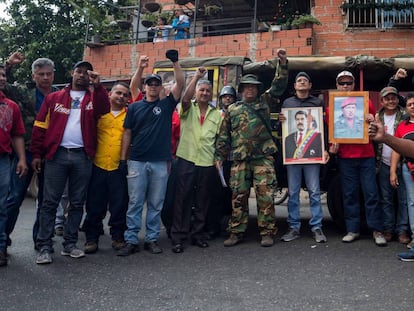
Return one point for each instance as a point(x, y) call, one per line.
point(212, 10)
point(305, 19)
point(395, 5)
point(149, 19)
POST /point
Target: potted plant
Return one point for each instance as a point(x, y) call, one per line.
point(286, 26)
point(303, 21)
point(181, 2)
point(149, 20)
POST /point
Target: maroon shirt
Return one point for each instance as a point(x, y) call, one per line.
point(11, 123)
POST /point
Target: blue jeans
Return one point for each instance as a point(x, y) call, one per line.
point(359, 173)
point(17, 193)
point(387, 195)
point(4, 188)
point(311, 174)
point(409, 185)
point(74, 167)
point(147, 182)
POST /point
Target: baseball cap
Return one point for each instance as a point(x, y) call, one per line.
point(344, 73)
point(152, 76)
point(84, 64)
point(302, 74)
point(388, 90)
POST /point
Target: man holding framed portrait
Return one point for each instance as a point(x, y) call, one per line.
point(304, 151)
point(356, 159)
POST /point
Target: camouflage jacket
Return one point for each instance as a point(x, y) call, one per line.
point(242, 132)
point(26, 99)
point(401, 115)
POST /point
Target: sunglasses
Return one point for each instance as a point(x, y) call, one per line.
point(345, 83)
point(154, 84)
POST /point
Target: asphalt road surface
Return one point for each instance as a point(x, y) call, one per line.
point(299, 275)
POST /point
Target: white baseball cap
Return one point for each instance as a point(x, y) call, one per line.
point(345, 73)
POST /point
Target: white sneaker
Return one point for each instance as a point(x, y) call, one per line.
point(350, 237)
point(379, 238)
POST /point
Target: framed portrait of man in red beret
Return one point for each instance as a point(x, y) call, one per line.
point(347, 112)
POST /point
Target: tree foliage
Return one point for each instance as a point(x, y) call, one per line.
point(50, 28)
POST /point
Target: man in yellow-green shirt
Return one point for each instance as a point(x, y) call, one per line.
point(108, 186)
point(200, 122)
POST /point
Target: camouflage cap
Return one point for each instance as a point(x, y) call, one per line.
point(250, 79)
point(388, 90)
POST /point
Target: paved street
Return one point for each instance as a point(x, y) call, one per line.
point(298, 275)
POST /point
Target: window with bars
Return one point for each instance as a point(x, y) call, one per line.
point(379, 13)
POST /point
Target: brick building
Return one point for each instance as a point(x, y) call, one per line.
point(345, 30)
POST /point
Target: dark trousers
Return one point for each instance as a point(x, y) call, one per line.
point(194, 186)
point(74, 166)
point(107, 190)
point(168, 207)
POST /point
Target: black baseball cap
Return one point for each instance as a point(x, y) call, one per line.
point(152, 76)
point(83, 63)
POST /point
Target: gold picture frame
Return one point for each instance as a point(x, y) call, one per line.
point(302, 135)
point(347, 112)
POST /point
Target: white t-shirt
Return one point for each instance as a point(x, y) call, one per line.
point(72, 137)
point(389, 121)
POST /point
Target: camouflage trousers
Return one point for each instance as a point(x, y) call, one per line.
point(260, 174)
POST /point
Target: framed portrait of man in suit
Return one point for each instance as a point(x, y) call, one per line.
point(302, 135)
point(347, 111)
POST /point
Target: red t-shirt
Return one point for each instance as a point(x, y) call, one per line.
point(353, 151)
point(175, 132)
point(11, 123)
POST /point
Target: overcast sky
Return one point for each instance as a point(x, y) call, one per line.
point(2, 9)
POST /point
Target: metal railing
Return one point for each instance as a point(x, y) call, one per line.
point(381, 14)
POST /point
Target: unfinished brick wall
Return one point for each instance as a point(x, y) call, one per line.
point(330, 39)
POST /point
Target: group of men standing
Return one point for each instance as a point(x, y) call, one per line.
point(111, 156)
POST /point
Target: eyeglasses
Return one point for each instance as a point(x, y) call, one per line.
point(346, 83)
point(154, 84)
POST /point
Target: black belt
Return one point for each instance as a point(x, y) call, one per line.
point(81, 149)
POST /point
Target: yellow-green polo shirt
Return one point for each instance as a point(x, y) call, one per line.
point(110, 130)
point(197, 141)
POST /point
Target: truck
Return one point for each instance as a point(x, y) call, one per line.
point(371, 74)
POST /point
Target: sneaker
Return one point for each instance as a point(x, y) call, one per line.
point(410, 244)
point(407, 256)
point(90, 247)
point(3, 259)
point(73, 252)
point(350, 237)
point(118, 244)
point(403, 238)
point(319, 236)
point(152, 247)
point(233, 239)
point(128, 249)
point(59, 231)
point(379, 238)
point(388, 236)
point(267, 241)
point(291, 235)
point(44, 257)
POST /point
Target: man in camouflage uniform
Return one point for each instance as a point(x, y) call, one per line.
point(243, 134)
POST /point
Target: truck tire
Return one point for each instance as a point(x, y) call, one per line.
point(281, 195)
